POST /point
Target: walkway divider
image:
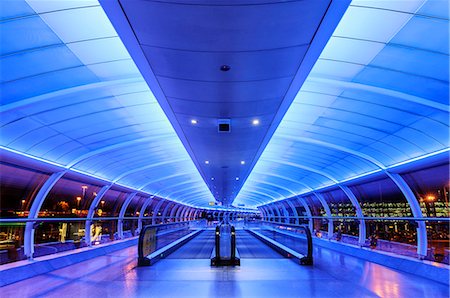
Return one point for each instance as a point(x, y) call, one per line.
point(146, 240)
point(286, 251)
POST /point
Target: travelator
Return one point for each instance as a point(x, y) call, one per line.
point(225, 252)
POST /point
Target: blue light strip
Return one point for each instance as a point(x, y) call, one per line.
point(411, 161)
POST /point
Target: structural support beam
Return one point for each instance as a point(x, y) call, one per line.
point(327, 212)
point(308, 213)
point(173, 212)
point(359, 213)
point(34, 212)
point(142, 212)
point(92, 207)
point(123, 209)
point(294, 211)
point(156, 211)
point(166, 209)
point(422, 241)
point(285, 213)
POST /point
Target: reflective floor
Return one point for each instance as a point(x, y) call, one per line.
point(333, 275)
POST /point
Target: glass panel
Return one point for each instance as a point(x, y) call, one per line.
point(69, 198)
point(18, 187)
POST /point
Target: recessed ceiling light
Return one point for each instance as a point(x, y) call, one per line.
point(212, 178)
point(207, 162)
point(225, 68)
point(255, 122)
point(237, 178)
point(194, 121)
point(242, 162)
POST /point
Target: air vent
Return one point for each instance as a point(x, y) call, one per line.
point(224, 125)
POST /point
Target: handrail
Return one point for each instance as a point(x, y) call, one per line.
point(308, 258)
point(230, 260)
point(233, 243)
point(217, 242)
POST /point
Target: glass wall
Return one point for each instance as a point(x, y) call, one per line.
point(431, 188)
point(18, 188)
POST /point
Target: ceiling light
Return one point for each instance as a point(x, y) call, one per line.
point(194, 121)
point(212, 178)
point(225, 68)
point(207, 162)
point(242, 162)
point(255, 122)
point(237, 178)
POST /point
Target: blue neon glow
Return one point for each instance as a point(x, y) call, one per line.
point(73, 97)
point(336, 131)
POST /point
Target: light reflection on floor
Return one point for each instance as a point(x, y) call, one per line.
point(334, 275)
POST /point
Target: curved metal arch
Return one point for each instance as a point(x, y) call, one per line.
point(166, 209)
point(146, 167)
point(275, 212)
point(183, 189)
point(196, 213)
point(345, 189)
point(294, 211)
point(144, 206)
point(303, 167)
point(333, 147)
point(308, 213)
point(263, 213)
point(90, 214)
point(379, 90)
point(122, 211)
point(114, 147)
point(285, 212)
point(269, 213)
point(261, 188)
point(173, 211)
point(180, 212)
point(64, 92)
point(259, 195)
point(422, 241)
point(159, 192)
point(186, 212)
point(156, 210)
point(190, 195)
point(34, 211)
point(163, 178)
point(328, 213)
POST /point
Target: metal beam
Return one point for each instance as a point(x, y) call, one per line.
point(155, 211)
point(422, 241)
point(142, 212)
point(328, 213)
point(166, 209)
point(34, 212)
point(123, 209)
point(359, 213)
point(97, 199)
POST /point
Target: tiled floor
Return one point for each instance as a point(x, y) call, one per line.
point(333, 275)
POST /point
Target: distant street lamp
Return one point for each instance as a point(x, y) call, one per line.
point(78, 202)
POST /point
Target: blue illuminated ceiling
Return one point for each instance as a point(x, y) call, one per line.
point(377, 96)
point(72, 95)
point(267, 49)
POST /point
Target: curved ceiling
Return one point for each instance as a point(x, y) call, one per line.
point(72, 95)
point(377, 96)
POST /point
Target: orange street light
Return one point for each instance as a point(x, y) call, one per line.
point(431, 198)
